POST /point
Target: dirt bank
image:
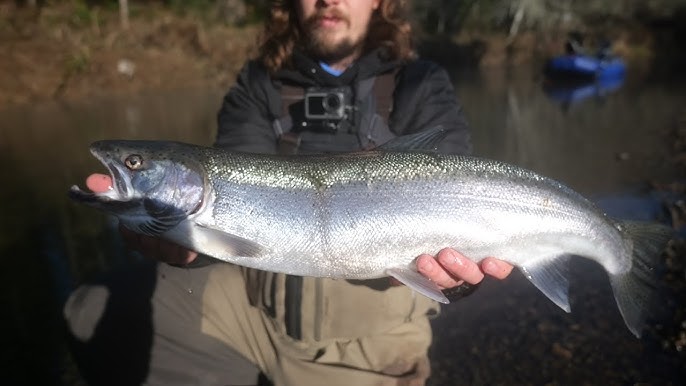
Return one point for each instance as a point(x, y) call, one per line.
point(67, 53)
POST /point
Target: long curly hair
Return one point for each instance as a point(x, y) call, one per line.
point(388, 27)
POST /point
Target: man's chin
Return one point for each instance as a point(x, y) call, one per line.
point(332, 49)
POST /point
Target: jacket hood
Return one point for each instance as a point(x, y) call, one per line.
point(308, 72)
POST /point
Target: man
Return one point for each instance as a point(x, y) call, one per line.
point(212, 322)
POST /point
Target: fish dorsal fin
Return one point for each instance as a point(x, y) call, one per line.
point(426, 140)
point(417, 282)
point(549, 275)
point(224, 246)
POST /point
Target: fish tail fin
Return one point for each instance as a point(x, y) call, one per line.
point(636, 290)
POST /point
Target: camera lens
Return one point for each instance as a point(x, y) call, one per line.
point(332, 102)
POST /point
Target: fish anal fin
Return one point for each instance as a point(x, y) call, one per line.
point(550, 276)
point(417, 282)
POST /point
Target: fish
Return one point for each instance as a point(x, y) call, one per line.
point(365, 215)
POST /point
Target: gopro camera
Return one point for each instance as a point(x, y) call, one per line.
point(325, 104)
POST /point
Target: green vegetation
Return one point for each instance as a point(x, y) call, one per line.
point(78, 62)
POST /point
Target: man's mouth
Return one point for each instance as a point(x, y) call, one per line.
point(328, 21)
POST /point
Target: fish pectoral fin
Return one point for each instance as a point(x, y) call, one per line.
point(417, 282)
point(550, 276)
point(220, 244)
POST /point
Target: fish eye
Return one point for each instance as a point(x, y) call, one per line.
point(134, 162)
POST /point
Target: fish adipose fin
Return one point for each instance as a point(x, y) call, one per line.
point(426, 140)
point(550, 275)
point(635, 290)
point(417, 282)
point(220, 244)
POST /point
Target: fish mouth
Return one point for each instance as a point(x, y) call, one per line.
point(120, 190)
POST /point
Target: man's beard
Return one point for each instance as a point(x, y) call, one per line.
point(318, 44)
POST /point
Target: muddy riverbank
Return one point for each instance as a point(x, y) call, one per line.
point(71, 51)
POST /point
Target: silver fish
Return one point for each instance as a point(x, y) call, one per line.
point(368, 215)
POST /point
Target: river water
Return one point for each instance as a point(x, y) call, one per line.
point(607, 146)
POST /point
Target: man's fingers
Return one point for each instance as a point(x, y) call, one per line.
point(449, 269)
point(429, 267)
point(176, 254)
point(156, 248)
point(496, 268)
point(459, 266)
point(99, 183)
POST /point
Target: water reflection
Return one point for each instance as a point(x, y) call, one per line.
point(567, 94)
point(48, 243)
point(594, 147)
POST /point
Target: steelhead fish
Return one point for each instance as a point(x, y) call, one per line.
point(368, 215)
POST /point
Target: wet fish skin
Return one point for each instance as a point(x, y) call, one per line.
point(368, 215)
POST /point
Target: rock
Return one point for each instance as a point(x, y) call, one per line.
point(561, 351)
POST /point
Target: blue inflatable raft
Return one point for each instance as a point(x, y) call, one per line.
point(585, 67)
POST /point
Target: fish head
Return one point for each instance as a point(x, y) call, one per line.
point(155, 184)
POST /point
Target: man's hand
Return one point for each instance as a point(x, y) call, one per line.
point(450, 268)
point(157, 248)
